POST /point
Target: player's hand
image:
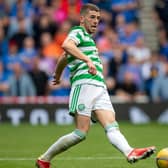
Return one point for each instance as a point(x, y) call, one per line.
point(92, 69)
point(55, 80)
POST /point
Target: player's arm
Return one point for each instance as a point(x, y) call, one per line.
point(61, 64)
point(70, 47)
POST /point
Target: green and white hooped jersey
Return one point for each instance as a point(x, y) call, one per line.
point(78, 68)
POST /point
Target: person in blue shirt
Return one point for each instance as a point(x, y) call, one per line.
point(3, 43)
point(28, 52)
point(11, 57)
point(3, 80)
point(24, 5)
point(159, 89)
point(20, 83)
point(129, 8)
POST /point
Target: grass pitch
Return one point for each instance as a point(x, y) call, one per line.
point(21, 145)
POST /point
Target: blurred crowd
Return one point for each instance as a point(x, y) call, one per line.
point(32, 31)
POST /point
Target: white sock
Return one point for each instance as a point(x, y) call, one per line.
point(117, 139)
point(62, 144)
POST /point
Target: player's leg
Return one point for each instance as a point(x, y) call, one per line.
point(66, 141)
point(108, 122)
point(106, 118)
point(82, 122)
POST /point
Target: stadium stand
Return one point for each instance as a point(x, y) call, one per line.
point(130, 35)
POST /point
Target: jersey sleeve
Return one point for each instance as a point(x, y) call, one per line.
point(76, 35)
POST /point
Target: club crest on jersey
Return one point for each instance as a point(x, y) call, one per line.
point(81, 107)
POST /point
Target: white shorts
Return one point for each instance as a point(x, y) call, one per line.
point(86, 98)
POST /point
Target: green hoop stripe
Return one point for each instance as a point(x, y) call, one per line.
point(87, 44)
point(89, 52)
point(80, 28)
point(81, 134)
point(70, 59)
point(79, 37)
point(76, 67)
point(75, 97)
point(112, 125)
point(87, 76)
point(84, 68)
point(96, 60)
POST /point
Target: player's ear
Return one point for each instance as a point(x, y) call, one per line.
point(82, 19)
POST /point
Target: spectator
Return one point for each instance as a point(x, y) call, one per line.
point(4, 16)
point(14, 25)
point(127, 90)
point(3, 80)
point(120, 25)
point(3, 44)
point(140, 51)
point(163, 43)
point(133, 67)
point(40, 7)
point(155, 62)
point(42, 25)
point(128, 8)
point(21, 34)
point(159, 89)
point(115, 63)
point(28, 52)
point(39, 77)
point(23, 5)
point(72, 10)
point(50, 49)
point(4, 8)
point(58, 11)
point(148, 83)
point(110, 81)
point(11, 57)
point(161, 14)
point(47, 64)
point(20, 83)
point(62, 32)
point(107, 42)
point(102, 4)
point(130, 35)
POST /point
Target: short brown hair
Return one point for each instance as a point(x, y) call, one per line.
point(86, 7)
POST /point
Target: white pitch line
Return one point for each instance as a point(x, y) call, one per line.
point(91, 158)
point(68, 158)
point(64, 158)
point(17, 159)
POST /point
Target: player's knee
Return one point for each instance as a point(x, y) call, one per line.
point(80, 134)
point(113, 126)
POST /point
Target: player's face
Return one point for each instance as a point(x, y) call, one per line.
point(90, 21)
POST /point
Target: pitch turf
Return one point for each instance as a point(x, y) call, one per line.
point(19, 146)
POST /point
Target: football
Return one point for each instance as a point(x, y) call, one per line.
point(162, 158)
